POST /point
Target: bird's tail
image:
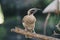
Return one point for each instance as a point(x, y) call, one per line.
point(28, 36)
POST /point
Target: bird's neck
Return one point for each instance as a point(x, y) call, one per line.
point(30, 13)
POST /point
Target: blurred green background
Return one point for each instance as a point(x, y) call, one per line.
point(14, 11)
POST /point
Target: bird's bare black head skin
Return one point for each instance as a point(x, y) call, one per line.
point(32, 11)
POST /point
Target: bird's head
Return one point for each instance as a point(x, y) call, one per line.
point(32, 11)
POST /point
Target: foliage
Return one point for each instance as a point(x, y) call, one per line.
point(2, 32)
point(47, 2)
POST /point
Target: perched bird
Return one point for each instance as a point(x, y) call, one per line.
point(29, 21)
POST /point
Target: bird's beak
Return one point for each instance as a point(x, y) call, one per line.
point(37, 10)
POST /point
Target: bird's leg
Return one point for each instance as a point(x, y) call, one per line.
point(34, 31)
point(25, 29)
point(26, 35)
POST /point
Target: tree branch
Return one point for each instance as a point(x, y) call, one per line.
point(33, 35)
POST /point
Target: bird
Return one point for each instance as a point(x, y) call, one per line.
point(29, 21)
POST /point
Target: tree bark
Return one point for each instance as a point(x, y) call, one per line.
point(33, 35)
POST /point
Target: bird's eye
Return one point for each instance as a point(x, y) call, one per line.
point(32, 11)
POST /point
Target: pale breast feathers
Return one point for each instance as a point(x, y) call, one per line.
point(29, 19)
